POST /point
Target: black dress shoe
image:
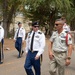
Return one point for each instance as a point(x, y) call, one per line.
point(19, 56)
point(22, 52)
point(1, 62)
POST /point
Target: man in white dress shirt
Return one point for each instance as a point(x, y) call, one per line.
point(1, 43)
point(19, 39)
point(35, 44)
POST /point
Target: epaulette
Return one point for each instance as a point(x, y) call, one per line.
point(39, 32)
point(30, 32)
point(66, 31)
point(16, 29)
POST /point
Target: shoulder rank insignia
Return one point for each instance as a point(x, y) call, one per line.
point(40, 32)
point(29, 32)
point(70, 39)
point(66, 31)
point(22, 28)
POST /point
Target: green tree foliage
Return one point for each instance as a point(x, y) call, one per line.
point(46, 11)
point(45, 7)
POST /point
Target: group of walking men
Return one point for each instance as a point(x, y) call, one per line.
point(59, 51)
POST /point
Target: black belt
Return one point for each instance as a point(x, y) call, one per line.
point(33, 51)
point(19, 37)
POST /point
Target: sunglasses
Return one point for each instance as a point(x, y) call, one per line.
point(56, 24)
point(36, 26)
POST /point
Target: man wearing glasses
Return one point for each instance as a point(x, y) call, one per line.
point(35, 44)
point(59, 51)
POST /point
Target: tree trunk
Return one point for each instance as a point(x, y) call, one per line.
point(5, 7)
point(52, 19)
point(7, 16)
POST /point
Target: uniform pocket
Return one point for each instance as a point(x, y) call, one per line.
point(36, 38)
point(62, 41)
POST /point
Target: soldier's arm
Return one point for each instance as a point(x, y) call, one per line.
point(50, 47)
point(69, 53)
point(70, 47)
point(23, 34)
point(50, 50)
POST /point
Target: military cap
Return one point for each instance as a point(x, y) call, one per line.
point(19, 23)
point(35, 24)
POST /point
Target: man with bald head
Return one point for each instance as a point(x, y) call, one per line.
point(59, 51)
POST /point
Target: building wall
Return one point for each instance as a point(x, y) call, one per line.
point(19, 18)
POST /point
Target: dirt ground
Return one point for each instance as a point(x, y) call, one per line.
point(9, 44)
point(14, 66)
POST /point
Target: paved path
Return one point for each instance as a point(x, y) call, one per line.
point(14, 66)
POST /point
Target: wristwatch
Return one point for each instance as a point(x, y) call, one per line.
point(69, 58)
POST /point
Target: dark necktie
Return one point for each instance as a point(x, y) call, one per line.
point(18, 32)
point(31, 47)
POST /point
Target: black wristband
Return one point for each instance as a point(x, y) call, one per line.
point(69, 58)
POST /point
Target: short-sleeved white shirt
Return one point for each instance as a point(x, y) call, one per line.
point(59, 41)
